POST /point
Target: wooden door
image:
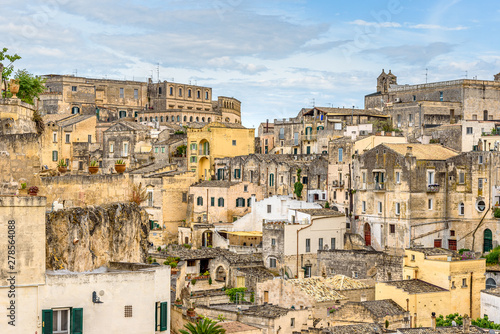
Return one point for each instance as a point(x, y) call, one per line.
point(368, 235)
point(437, 243)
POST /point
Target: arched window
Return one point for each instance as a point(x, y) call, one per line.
point(271, 180)
point(140, 119)
point(161, 119)
point(185, 118)
point(487, 241)
point(180, 91)
point(156, 118)
point(151, 118)
point(171, 91)
point(178, 118)
point(199, 201)
point(203, 119)
point(490, 283)
point(209, 120)
point(173, 118)
point(220, 202)
point(189, 92)
point(461, 209)
point(240, 202)
point(76, 110)
point(191, 118)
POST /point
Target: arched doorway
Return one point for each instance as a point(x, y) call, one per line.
point(490, 283)
point(368, 235)
point(204, 147)
point(488, 241)
point(220, 274)
point(204, 168)
point(206, 239)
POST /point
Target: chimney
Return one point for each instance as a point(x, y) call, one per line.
point(409, 151)
point(466, 324)
point(433, 320)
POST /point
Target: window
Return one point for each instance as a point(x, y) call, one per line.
point(414, 97)
point(111, 147)
point(62, 321)
point(392, 228)
point(122, 93)
point(282, 133)
point(269, 208)
point(184, 197)
point(429, 203)
point(161, 316)
point(136, 94)
point(128, 311)
point(171, 91)
point(206, 95)
point(125, 150)
point(461, 177)
point(337, 126)
point(341, 154)
point(220, 202)
point(193, 147)
point(430, 177)
point(237, 173)
point(398, 208)
point(245, 188)
point(308, 245)
point(461, 209)
point(464, 282)
point(469, 130)
point(249, 202)
point(452, 244)
point(68, 137)
point(189, 92)
point(398, 177)
point(304, 180)
point(198, 94)
point(379, 207)
point(240, 202)
point(474, 117)
point(178, 118)
point(212, 201)
point(161, 119)
point(193, 159)
point(191, 118)
point(150, 198)
point(320, 243)
point(180, 91)
point(163, 149)
point(292, 322)
point(480, 205)
point(332, 243)
point(199, 201)
point(74, 88)
point(90, 139)
point(363, 206)
point(441, 96)
point(234, 142)
point(272, 262)
point(413, 257)
point(273, 242)
point(363, 179)
point(271, 180)
point(480, 159)
point(191, 263)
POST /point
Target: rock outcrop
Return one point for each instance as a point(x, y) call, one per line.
point(82, 239)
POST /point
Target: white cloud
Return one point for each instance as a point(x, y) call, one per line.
point(376, 24)
point(436, 27)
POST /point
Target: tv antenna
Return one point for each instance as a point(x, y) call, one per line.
point(426, 74)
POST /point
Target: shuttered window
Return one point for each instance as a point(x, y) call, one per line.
point(77, 321)
point(163, 316)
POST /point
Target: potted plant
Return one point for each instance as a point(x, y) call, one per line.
point(62, 167)
point(93, 167)
point(120, 166)
point(23, 190)
point(190, 312)
point(33, 190)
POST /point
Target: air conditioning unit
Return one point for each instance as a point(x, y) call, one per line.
point(397, 100)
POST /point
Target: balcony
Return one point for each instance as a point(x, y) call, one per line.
point(309, 137)
point(338, 184)
point(432, 188)
point(203, 152)
point(379, 186)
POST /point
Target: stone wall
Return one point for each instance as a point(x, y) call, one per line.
point(367, 264)
point(81, 239)
point(85, 190)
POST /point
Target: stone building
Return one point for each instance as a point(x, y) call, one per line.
point(276, 174)
point(127, 141)
point(109, 100)
point(428, 195)
point(490, 304)
point(416, 107)
point(373, 311)
point(361, 264)
point(292, 244)
point(222, 201)
point(340, 159)
point(217, 140)
point(72, 139)
point(266, 138)
point(436, 280)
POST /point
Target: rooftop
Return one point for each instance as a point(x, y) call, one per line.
point(321, 212)
point(214, 184)
point(430, 251)
point(424, 151)
point(494, 292)
point(414, 286)
point(354, 329)
point(441, 330)
point(382, 308)
point(341, 282)
point(237, 327)
point(317, 288)
point(73, 120)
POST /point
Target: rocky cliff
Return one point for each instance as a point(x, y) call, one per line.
point(81, 239)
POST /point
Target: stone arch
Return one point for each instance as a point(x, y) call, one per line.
point(490, 283)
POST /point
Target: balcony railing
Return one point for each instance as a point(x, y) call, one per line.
point(338, 184)
point(204, 152)
point(379, 186)
point(309, 137)
point(432, 188)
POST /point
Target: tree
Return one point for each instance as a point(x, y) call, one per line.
point(7, 69)
point(458, 319)
point(181, 150)
point(298, 186)
point(204, 326)
point(30, 86)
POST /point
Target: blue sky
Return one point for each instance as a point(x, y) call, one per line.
point(275, 56)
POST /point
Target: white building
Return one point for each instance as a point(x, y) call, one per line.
point(490, 304)
point(121, 298)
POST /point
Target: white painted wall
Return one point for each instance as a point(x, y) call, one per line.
point(490, 305)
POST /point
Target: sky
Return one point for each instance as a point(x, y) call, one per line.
point(275, 56)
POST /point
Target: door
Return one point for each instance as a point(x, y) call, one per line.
point(485, 115)
point(488, 240)
point(452, 245)
point(437, 243)
point(368, 235)
point(266, 296)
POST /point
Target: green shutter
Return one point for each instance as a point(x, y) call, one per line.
point(156, 316)
point(77, 321)
point(163, 316)
point(47, 321)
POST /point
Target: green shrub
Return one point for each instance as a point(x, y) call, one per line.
point(193, 281)
point(492, 257)
point(496, 213)
point(236, 294)
point(327, 205)
point(166, 263)
point(159, 249)
point(173, 264)
point(210, 280)
point(461, 250)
